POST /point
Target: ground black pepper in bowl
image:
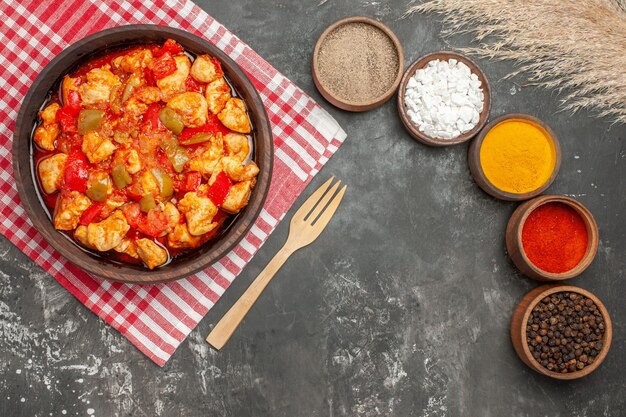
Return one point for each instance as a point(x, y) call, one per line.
point(565, 332)
point(357, 63)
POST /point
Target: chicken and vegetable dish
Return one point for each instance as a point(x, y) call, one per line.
point(145, 153)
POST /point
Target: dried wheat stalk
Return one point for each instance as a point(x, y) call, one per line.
point(575, 46)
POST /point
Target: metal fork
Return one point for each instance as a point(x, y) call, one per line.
point(306, 225)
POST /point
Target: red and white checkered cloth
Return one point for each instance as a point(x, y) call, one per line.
point(155, 318)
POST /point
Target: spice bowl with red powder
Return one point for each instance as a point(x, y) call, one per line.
point(552, 238)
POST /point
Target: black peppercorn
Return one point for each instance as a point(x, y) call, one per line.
point(565, 332)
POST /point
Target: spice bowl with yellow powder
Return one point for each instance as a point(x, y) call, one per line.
point(515, 157)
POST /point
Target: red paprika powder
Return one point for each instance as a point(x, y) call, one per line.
point(555, 237)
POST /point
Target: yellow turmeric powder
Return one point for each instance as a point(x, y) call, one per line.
point(518, 156)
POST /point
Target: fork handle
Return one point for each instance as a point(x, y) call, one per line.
point(224, 329)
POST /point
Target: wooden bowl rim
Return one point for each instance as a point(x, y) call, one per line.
point(588, 219)
point(196, 260)
point(348, 105)
point(421, 63)
point(550, 289)
point(477, 170)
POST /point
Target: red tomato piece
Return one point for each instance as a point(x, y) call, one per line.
point(92, 213)
point(67, 120)
point(170, 46)
point(218, 67)
point(220, 188)
point(133, 214)
point(164, 161)
point(76, 173)
point(193, 85)
point(163, 66)
point(151, 117)
point(214, 125)
point(153, 224)
point(193, 180)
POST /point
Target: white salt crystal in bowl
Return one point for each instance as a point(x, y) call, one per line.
point(444, 99)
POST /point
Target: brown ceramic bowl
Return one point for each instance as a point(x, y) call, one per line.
point(481, 179)
point(402, 109)
point(342, 103)
point(520, 318)
point(50, 77)
point(515, 247)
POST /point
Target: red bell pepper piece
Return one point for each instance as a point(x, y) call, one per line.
point(67, 120)
point(73, 103)
point(213, 126)
point(192, 181)
point(151, 117)
point(170, 46)
point(163, 66)
point(75, 174)
point(220, 188)
point(92, 212)
point(148, 75)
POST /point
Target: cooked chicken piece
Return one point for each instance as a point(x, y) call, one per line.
point(206, 69)
point(199, 212)
point(81, 235)
point(67, 85)
point(192, 107)
point(149, 183)
point(49, 114)
point(173, 84)
point(108, 233)
point(137, 104)
point(48, 131)
point(45, 135)
point(237, 171)
point(217, 95)
point(69, 210)
point(97, 147)
point(51, 172)
point(180, 238)
point(209, 159)
point(134, 62)
point(128, 247)
point(100, 176)
point(171, 214)
point(150, 253)
point(237, 197)
point(237, 145)
point(129, 158)
point(234, 116)
point(97, 89)
point(147, 94)
point(115, 200)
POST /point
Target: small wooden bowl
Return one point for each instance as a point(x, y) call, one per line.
point(421, 63)
point(515, 247)
point(352, 105)
point(520, 319)
point(476, 168)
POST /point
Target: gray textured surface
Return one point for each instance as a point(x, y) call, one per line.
point(401, 308)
